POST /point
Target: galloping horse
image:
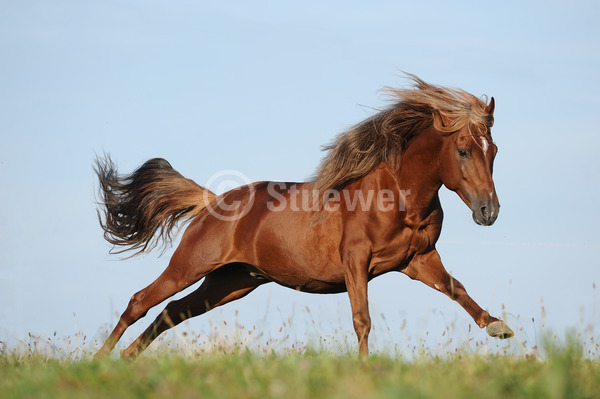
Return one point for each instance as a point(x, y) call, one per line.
point(372, 208)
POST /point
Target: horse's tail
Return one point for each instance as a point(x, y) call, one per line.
point(140, 210)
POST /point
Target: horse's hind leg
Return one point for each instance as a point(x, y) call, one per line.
point(174, 279)
point(223, 285)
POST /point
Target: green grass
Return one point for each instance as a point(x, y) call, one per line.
point(563, 372)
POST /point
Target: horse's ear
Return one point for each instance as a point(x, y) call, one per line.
point(490, 107)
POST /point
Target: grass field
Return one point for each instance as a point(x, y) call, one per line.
point(564, 370)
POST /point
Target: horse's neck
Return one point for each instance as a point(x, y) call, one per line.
point(416, 182)
point(418, 175)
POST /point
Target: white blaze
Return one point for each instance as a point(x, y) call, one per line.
point(484, 145)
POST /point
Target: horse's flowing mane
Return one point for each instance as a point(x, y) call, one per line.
point(384, 136)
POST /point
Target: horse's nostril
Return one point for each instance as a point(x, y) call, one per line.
point(484, 212)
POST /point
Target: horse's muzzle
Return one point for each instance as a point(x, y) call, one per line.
point(485, 213)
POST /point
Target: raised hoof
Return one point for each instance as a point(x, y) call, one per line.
point(499, 329)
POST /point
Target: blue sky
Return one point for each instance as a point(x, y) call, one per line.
point(258, 88)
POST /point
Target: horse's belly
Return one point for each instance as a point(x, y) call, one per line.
point(297, 249)
point(302, 278)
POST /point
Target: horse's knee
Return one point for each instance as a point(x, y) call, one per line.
point(362, 325)
point(452, 288)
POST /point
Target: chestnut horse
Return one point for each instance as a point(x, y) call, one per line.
point(372, 208)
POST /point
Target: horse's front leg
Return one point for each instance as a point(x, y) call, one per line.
point(428, 268)
point(356, 276)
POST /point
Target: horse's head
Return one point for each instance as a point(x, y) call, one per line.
point(466, 163)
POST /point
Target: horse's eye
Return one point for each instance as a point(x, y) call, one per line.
point(463, 153)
